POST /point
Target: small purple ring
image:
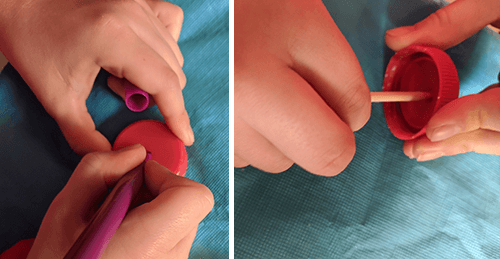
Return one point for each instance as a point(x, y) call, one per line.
point(136, 99)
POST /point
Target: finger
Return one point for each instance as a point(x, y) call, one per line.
point(170, 41)
point(145, 29)
point(283, 108)
point(118, 86)
point(160, 29)
point(79, 130)
point(170, 15)
point(325, 59)
point(479, 141)
point(466, 114)
point(179, 206)
point(181, 250)
point(96, 173)
point(257, 150)
point(239, 163)
point(147, 70)
point(446, 27)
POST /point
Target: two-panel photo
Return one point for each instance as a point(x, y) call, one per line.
point(208, 129)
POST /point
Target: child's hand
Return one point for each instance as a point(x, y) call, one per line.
point(58, 47)
point(162, 227)
point(470, 123)
point(299, 90)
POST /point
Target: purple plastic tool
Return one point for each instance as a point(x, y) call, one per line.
point(96, 236)
point(136, 99)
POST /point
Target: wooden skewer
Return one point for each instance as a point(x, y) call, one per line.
point(382, 97)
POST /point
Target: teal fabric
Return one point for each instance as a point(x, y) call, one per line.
point(36, 160)
point(384, 205)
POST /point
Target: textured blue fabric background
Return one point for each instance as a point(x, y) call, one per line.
point(36, 160)
point(384, 205)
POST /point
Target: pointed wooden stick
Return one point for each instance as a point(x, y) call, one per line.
point(382, 97)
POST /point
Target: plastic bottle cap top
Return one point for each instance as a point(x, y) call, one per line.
point(165, 147)
point(424, 69)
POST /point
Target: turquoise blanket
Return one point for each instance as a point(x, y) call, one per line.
point(36, 160)
point(384, 205)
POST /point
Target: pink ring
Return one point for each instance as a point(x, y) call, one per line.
point(136, 99)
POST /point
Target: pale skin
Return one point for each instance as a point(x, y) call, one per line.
point(467, 124)
point(162, 224)
point(58, 47)
point(299, 89)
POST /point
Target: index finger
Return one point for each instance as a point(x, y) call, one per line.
point(143, 67)
point(466, 114)
point(79, 130)
point(282, 107)
point(180, 204)
point(325, 59)
point(446, 27)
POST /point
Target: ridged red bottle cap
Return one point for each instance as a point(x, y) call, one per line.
point(164, 146)
point(424, 69)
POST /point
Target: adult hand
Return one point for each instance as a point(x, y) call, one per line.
point(58, 47)
point(470, 123)
point(299, 89)
point(164, 226)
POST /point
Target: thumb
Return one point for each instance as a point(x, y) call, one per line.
point(446, 27)
point(79, 130)
point(466, 114)
point(73, 208)
point(94, 175)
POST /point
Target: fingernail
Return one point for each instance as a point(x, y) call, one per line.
point(429, 156)
point(444, 132)
point(410, 154)
point(130, 147)
point(417, 150)
point(399, 31)
point(188, 134)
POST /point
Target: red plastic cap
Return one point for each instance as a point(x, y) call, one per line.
point(164, 146)
point(418, 68)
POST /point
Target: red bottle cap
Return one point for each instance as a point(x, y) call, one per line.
point(418, 68)
point(164, 146)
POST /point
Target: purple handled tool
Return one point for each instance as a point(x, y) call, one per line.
point(96, 236)
point(136, 99)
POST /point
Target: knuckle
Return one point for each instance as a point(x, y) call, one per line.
point(200, 198)
point(440, 18)
point(277, 166)
point(92, 161)
point(108, 24)
point(356, 97)
point(131, 7)
point(109, 21)
point(356, 101)
point(169, 79)
point(177, 14)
